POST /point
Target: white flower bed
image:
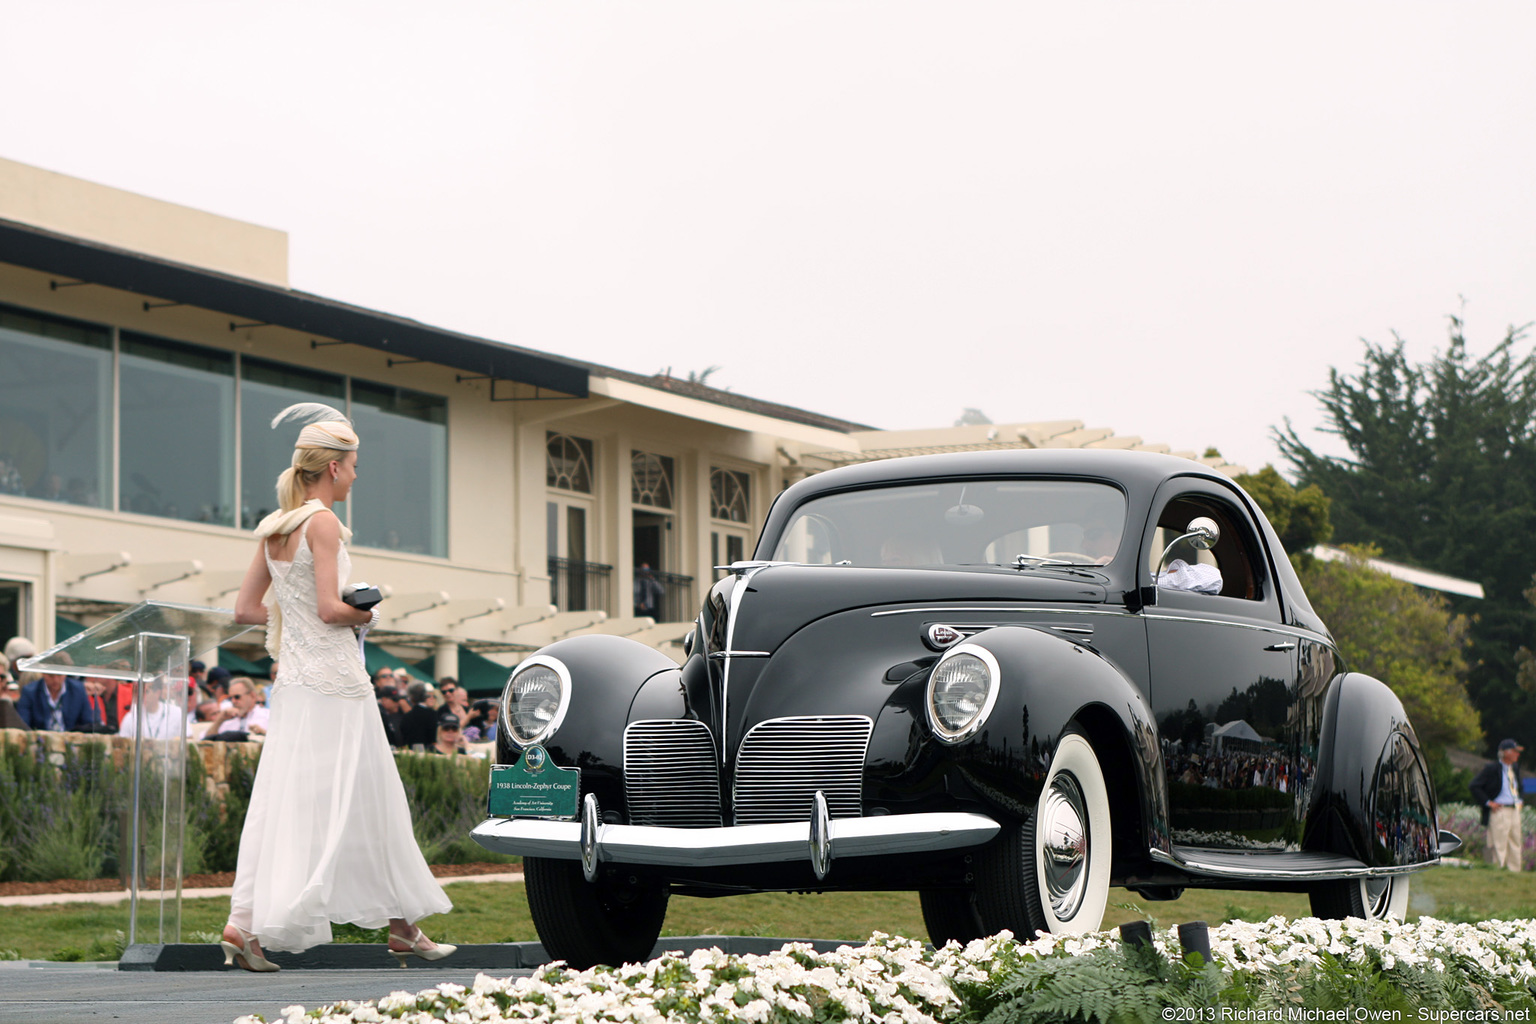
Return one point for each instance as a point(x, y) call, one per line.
point(898, 981)
point(1504, 948)
point(892, 980)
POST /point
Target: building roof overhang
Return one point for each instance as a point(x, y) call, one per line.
point(258, 302)
point(780, 421)
point(1408, 573)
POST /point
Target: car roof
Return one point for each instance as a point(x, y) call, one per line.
point(1139, 474)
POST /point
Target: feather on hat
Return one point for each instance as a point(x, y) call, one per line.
point(324, 426)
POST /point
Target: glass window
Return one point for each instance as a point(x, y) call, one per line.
point(1227, 569)
point(176, 450)
point(725, 549)
point(651, 479)
point(55, 408)
point(13, 609)
point(266, 389)
point(402, 475)
point(730, 495)
point(974, 522)
point(568, 462)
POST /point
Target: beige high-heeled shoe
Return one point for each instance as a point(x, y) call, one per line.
point(433, 952)
point(242, 955)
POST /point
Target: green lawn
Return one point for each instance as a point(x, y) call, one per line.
point(497, 912)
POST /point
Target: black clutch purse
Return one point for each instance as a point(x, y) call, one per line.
point(361, 596)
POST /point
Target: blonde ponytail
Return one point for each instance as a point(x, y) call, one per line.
point(290, 490)
point(309, 465)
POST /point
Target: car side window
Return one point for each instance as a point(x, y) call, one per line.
point(1229, 569)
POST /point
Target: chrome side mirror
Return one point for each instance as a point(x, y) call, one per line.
point(1202, 532)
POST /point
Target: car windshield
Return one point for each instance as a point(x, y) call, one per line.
point(972, 522)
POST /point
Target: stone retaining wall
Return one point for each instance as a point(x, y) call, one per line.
point(215, 754)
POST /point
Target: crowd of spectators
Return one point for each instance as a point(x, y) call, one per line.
point(218, 707)
point(429, 718)
point(47, 486)
point(417, 715)
point(1233, 768)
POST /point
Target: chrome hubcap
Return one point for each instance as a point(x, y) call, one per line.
point(1063, 829)
point(1376, 894)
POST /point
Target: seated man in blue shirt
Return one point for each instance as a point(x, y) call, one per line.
point(56, 703)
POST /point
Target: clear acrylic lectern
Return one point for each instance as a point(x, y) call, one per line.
point(150, 646)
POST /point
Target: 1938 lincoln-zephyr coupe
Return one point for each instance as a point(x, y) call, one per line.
point(1007, 680)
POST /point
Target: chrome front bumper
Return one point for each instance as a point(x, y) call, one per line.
point(817, 840)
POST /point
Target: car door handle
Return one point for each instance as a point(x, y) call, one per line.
point(1289, 645)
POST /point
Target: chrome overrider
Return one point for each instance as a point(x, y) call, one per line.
point(817, 839)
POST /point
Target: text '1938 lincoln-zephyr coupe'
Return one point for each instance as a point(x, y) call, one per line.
point(1006, 680)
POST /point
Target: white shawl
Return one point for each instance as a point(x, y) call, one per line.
point(280, 524)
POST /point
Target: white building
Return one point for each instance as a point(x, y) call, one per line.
point(506, 496)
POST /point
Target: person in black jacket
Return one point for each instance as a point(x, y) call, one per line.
point(1497, 789)
point(419, 726)
point(391, 709)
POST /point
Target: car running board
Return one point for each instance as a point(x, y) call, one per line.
point(1195, 860)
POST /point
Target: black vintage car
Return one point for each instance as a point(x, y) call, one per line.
point(1008, 680)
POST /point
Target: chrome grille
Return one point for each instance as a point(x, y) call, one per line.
point(671, 774)
point(783, 762)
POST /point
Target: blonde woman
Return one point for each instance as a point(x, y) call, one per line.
point(328, 835)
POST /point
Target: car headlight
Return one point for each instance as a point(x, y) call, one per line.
point(961, 691)
point(534, 703)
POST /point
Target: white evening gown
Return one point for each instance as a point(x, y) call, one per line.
point(328, 833)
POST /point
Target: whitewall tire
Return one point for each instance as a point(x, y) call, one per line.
point(1051, 874)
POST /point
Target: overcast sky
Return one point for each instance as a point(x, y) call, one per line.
point(1168, 219)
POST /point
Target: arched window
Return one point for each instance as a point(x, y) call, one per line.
point(568, 463)
point(651, 479)
point(730, 495)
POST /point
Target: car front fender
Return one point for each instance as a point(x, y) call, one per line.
point(1049, 683)
point(607, 673)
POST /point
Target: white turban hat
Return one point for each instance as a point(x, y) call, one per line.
point(324, 427)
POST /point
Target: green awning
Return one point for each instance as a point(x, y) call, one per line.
point(376, 657)
point(479, 675)
point(239, 666)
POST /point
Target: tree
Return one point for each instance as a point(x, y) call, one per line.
point(1406, 637)
point(971, 416)
point(1299, 515)
point(1442, 474)
point(695, 376)
point(1525, 658)
point(1384, 627)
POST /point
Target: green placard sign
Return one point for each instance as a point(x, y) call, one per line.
point(533, 788)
